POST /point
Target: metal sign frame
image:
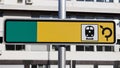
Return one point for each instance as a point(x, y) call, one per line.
point(61, 20)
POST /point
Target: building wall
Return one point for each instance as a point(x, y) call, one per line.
point(72, 5)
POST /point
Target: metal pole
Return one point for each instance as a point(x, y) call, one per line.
point(62, 9)
point(62, 49)
point(62, 56)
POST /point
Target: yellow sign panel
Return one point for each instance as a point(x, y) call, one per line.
point(76, 31)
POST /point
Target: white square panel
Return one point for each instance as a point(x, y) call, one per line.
point(89, 32)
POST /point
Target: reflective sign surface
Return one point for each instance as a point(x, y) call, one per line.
point(59, 31)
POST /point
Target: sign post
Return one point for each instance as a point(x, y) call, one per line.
point(62, 48)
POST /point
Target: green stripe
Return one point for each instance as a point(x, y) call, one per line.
point(21, 31)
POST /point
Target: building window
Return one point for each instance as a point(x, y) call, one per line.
point(89, 48)
point(44, 15)
point(10, 47)
point(1, 39)
point(109, 0)
point(118, 41)
point(15, 47)
point(89, 0)
point(119, 48)
point(1, 14)
point(99, 48)
point(79, 48)
point(20, 47)
point(34, 66)
point(86, 0)
point(109, 48)
point(105, 48)
point(84, 48)
point(104, 0)
point(19, 1)
point(80, 0)
point(68, 48)
point(55, 47)
point(100, 0)
point(38, 66)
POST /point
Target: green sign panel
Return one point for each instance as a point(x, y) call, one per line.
point(21, 31)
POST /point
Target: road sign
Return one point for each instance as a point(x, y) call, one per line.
point(59, 31)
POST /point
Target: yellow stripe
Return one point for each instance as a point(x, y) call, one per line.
point(69, 32)
point(58, 32)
